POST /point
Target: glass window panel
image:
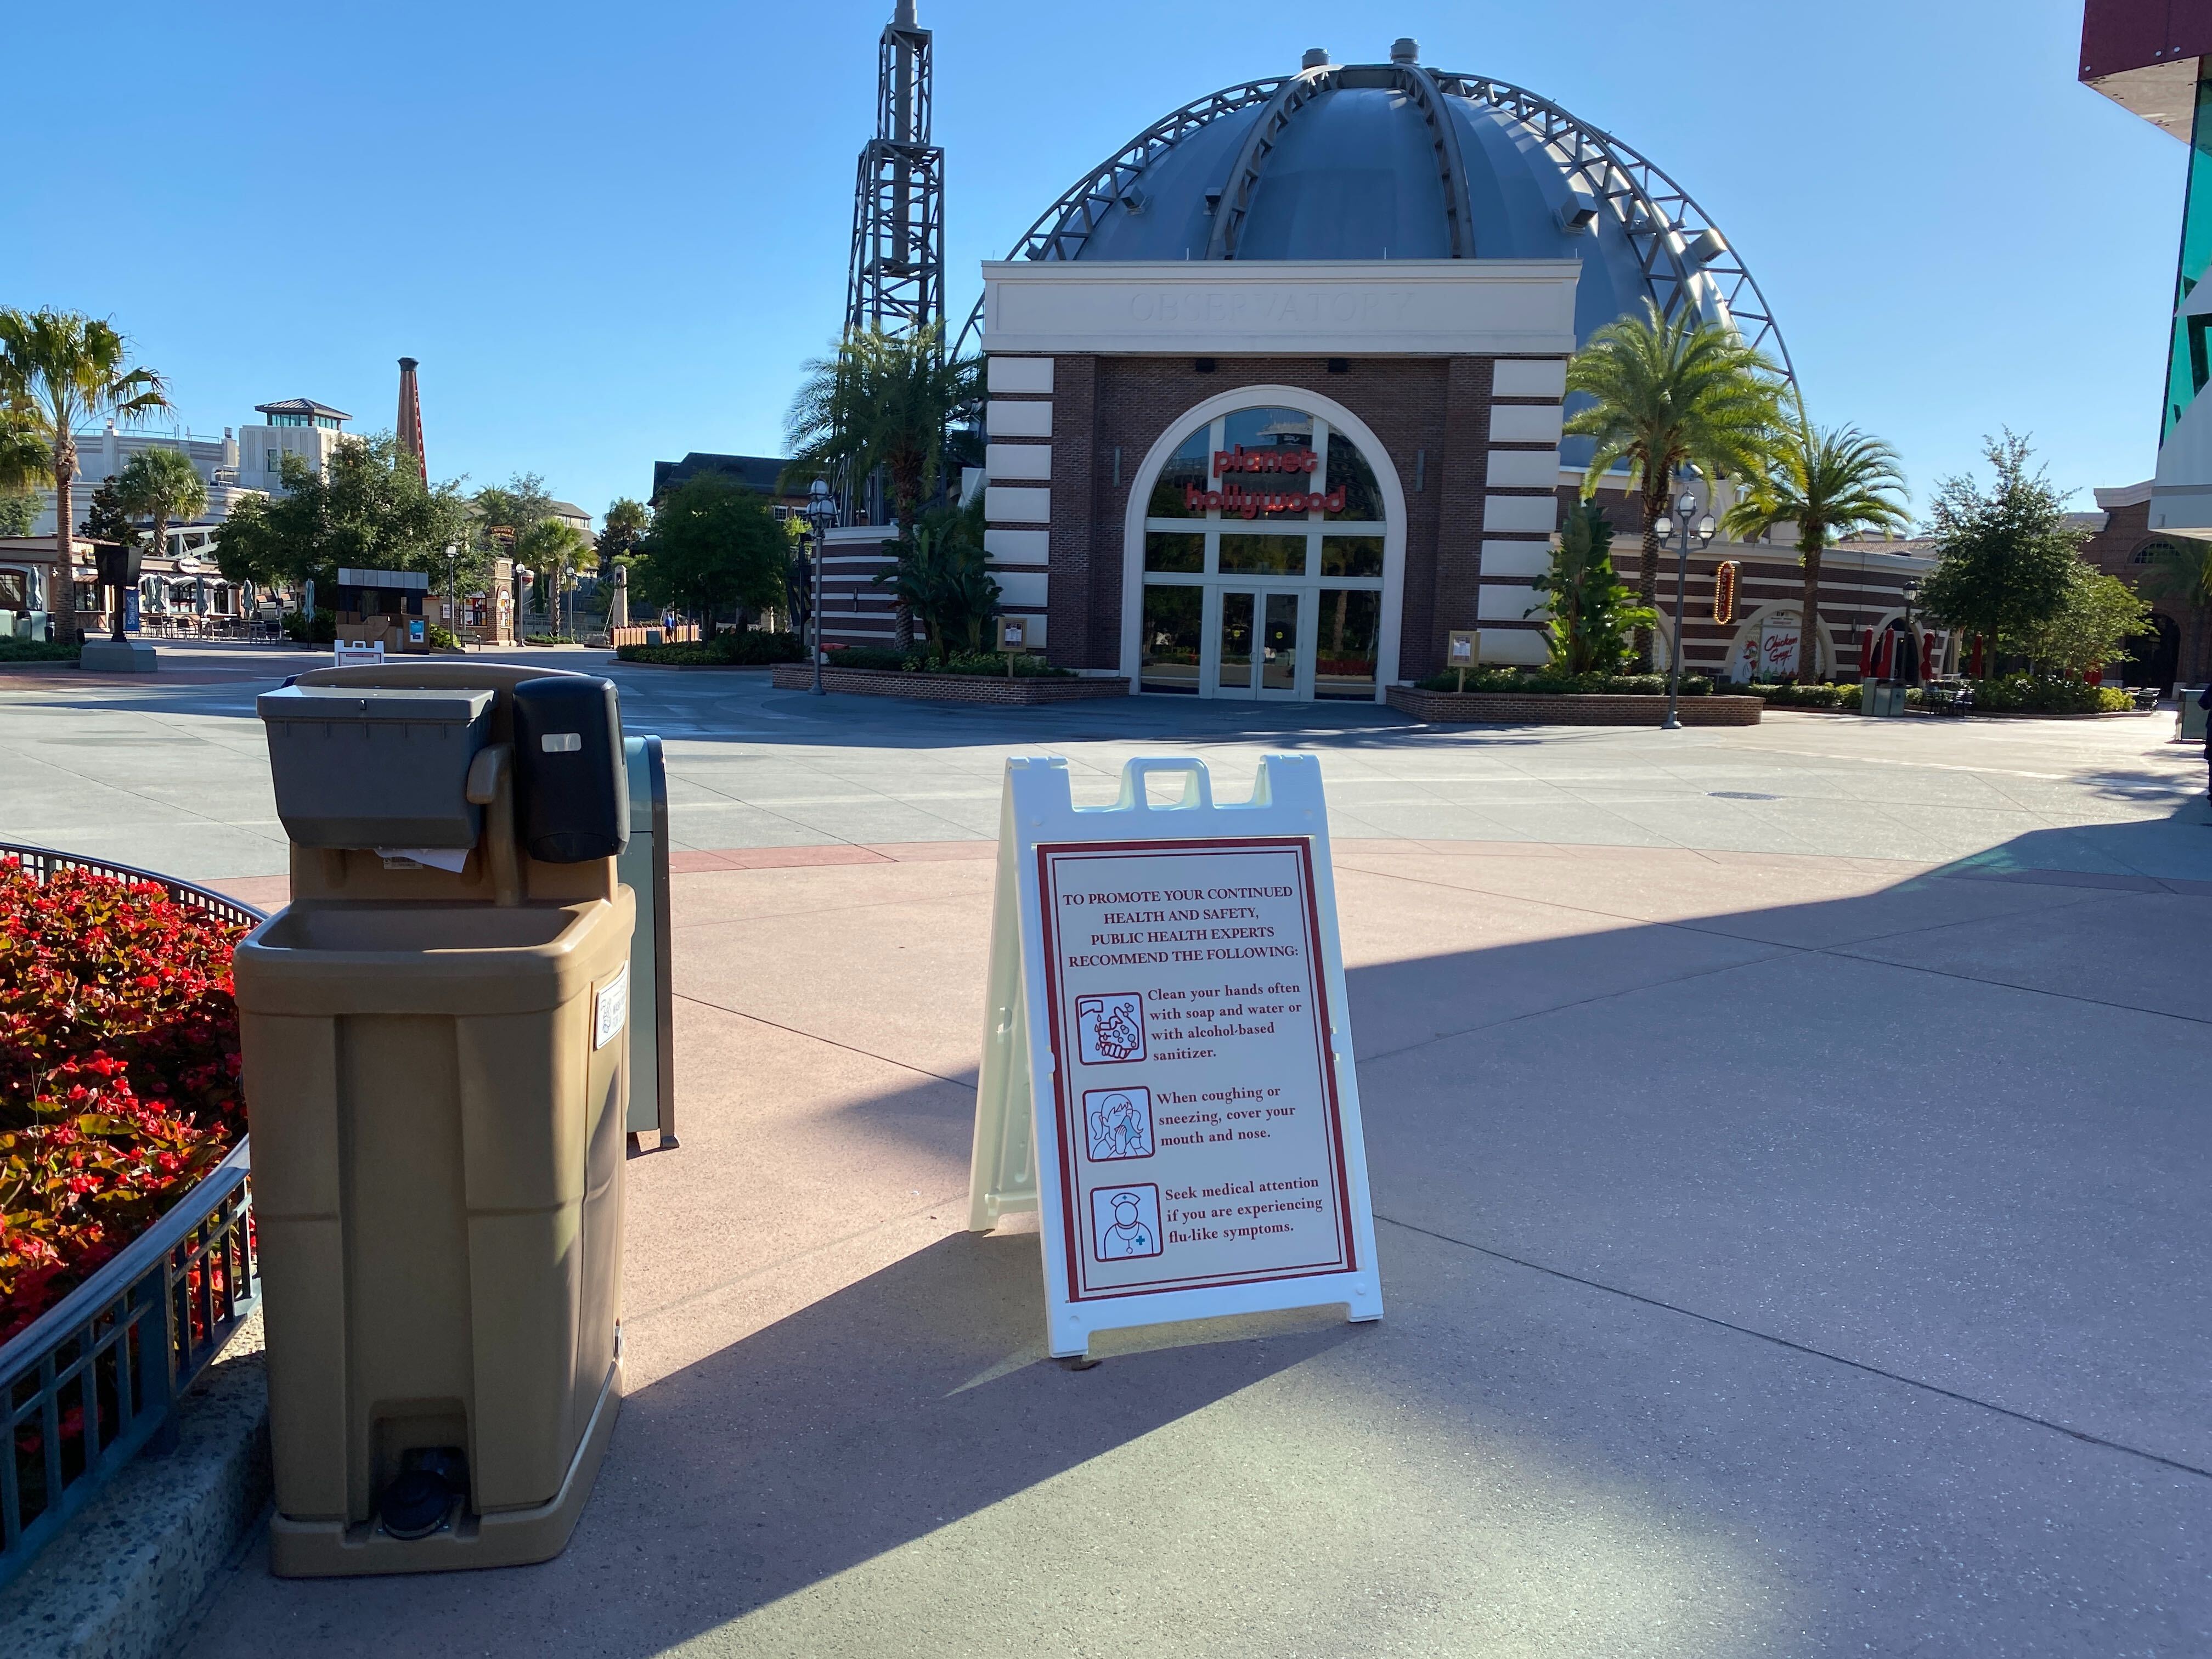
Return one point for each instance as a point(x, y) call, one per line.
point(1344, 652)
point(1262, 556)
point(1277, 458)
point(1352, 555)
point(1278, 644)
point(1174, 550)
point(1233, 670)
point(1187, 469)
point(1348, 470)
point(1172, 639)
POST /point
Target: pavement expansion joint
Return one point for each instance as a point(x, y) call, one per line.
point(1805, 1348)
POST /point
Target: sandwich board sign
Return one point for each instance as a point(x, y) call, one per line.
point(1167, 1073)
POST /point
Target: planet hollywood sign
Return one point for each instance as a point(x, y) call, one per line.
point(1251, 503)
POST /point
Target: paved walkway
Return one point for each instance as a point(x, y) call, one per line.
point(1790, 1214)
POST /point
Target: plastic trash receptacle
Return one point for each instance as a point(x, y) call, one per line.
point(435, 1066)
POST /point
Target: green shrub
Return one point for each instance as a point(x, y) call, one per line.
point(1542, 683)
point(2029, 694)
point(742, 648)
point(1787, 694)
point(36, 651)
point(323, 631)
point(443, 638)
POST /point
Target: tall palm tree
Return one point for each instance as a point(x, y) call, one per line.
point(2181, 573)
point(1830, 482)
point(25, 463)
point(61, 369)
point(1670, 394)
point(884, 401)
point(551, 548)
point(160, 484)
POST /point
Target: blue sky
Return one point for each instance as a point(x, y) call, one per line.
point(612, 234)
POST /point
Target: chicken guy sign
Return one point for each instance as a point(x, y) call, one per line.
point(1168, 1073)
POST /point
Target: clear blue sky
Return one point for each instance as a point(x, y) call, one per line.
point(612, 235)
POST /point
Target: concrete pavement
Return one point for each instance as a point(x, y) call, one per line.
point(1790, 1209)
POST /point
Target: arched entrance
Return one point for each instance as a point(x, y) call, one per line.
point(2154, 660)
point(1264, 553)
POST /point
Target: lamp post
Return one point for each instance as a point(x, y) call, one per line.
point(1911, 633)
point(453, 591)
point(1704, 532)
point(820, 510)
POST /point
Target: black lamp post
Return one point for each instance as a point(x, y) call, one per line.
point(119, 564)
point(820, 511)
point(1704, 532)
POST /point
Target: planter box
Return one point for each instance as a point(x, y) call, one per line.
point(1023, 691)
point(1518, 709)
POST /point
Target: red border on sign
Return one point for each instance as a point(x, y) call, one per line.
point(1063, 1079)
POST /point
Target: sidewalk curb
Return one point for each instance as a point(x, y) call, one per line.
point(126, 1575)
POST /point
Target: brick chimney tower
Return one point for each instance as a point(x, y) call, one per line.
point(411, 417)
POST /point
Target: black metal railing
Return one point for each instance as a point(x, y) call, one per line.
point(95, 1379)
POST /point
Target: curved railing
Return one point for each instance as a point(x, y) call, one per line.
point(96, 1378)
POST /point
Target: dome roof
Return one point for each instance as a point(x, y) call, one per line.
point(1397, 161)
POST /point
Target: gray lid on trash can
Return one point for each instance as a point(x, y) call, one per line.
point(347, 702)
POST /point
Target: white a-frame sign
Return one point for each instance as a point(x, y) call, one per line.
point(1167, 1072)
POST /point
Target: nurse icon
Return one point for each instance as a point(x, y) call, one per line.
point(1126, 1222)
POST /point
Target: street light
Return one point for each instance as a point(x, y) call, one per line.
point(820, 510)
point(1704, 532)
point(453, 592)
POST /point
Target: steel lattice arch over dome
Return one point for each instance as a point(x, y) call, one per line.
point(1399, 162)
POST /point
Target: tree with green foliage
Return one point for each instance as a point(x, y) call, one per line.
point(714, 544)
point(107, 516)
point(1592, 609)
point(1666, 395)
point(26, 465)
point(2004, 559)
point(60, 370)
point(620, 531)
point(1829, 482)
point(883, 403)
point(943, 578)
point(160, 484)
point(367, 509)
point(551, 550)
point(2092, 626)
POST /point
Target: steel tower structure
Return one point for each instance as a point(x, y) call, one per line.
point(895, 282)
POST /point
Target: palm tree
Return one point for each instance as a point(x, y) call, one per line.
point(884, 402)
point(60, 369)
point(1669, 395)
point(551, 548)
point(2181, 573)
point(160, 484)
point(25, 463)
point(1830, 482)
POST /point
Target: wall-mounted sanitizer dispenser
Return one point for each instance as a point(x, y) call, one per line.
point(435, 1038)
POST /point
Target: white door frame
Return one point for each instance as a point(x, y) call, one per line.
point(1340, 419)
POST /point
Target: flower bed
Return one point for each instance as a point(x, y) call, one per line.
point(118, 1071)
point(732, 648)
point(1568, 708)
point(1025, 690)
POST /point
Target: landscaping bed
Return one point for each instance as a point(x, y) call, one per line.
point(1571, 707)
point(738, 648)
point(28, 653)
point(118, 1071)
point(1023, 690)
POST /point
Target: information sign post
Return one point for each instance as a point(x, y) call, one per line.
point(1168, 1074)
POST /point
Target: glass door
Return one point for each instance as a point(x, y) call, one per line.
point(1258, 648)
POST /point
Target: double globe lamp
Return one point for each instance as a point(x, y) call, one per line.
point(1702, 530)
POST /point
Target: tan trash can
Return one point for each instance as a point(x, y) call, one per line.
point(435, 1040)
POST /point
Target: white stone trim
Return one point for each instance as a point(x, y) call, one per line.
point(1022, 587)
point(1525, 423)
point(1494, 602)
point(1339, 418)
point(1516, 558)
point(1516, 648)
point(1431, 307)
point(1020, 374)
point(1017, 546)
point(1537, 469)
point(1529, 512)
point(1005, 505)
point(1523, 378)
point(1007, 461)
point(1005, 420)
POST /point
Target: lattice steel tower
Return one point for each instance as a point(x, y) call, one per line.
point(896, 279)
